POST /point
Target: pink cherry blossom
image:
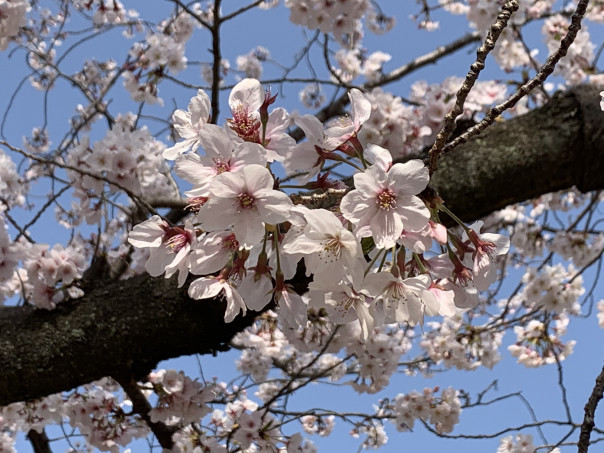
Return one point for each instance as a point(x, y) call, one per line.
point(384, 202)
point(487, 246)
point(222, 155)
point(246, 200)
point(404, 300)
point(344, 304)
point(170, 246)
point(330, 250)
point(245, 100)
point(213, 252)
point(342, 129)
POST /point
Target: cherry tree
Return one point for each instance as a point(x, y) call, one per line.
point(334, 218)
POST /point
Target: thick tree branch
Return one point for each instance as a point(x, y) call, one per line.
point(39, 441)
point(128, 326)
point(119, 327)
point(549, 149)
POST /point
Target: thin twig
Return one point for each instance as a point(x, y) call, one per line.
point(483, 51)
point(590, 409)
point(546, 71)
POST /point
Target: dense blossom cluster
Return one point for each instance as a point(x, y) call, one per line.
point(341, 18)
point(239, 212)
point(511, 52)
point(463, 347)
point(162, 51)
point(403, 129)
point(127, 158)
point(442, 412)
point(95, 410)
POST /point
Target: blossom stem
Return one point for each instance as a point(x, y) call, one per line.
point(381, 266)
point(420, 264)
point(460, 222)
point(276, 241)
point(373, 261)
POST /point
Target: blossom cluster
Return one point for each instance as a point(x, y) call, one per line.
point(105, 11)
point(126, 158)
point(247, 237)
point(341, 18)
point(161, 51)
point(376, 256)
point(464, 347)
point(181, 400)
point(539, 343)
point(511, 52)
point(12, 18)
point(577, 63)
point(94, 410)
point(520, 443)
point(12, 187)
point(403, 129)
point(550, 288)
point(442, 412)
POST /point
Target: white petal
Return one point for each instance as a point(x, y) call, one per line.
point(248, 93)
point(205, 288)
point(235, 303)
point(409, 178)
point(215, 141)
point(378, 156)
point(413, 211)
point(148, 233)
point(199, 107)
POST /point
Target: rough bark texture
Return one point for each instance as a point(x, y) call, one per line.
point(126, 327)
point(118, 328)
point(553, 148)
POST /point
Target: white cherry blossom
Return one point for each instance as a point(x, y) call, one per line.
point(383, 203)
point(246, 200)
point(189, 124)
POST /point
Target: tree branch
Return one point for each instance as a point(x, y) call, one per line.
point(39, 441)
point(129, 326)
point(590, 410)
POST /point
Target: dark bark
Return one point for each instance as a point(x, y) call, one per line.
point(117, 328)
point(125, 327)
point(549, 149)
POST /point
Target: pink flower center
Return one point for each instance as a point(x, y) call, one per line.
point(345, 304)
point(246, 201)
point(221, 166)
point(230, 243)
point(195, 203)
point(245, 125)
point(386, 199)
point(176, 238)
point(397, 291)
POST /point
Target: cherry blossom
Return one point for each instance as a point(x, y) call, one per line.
point(189, 124)
point(487, 247)
point(208, 287)
point(329, 249)
point(222, 155)
point(246, 200)
point(331, 278)
point(170, 246)
point(384, 202)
